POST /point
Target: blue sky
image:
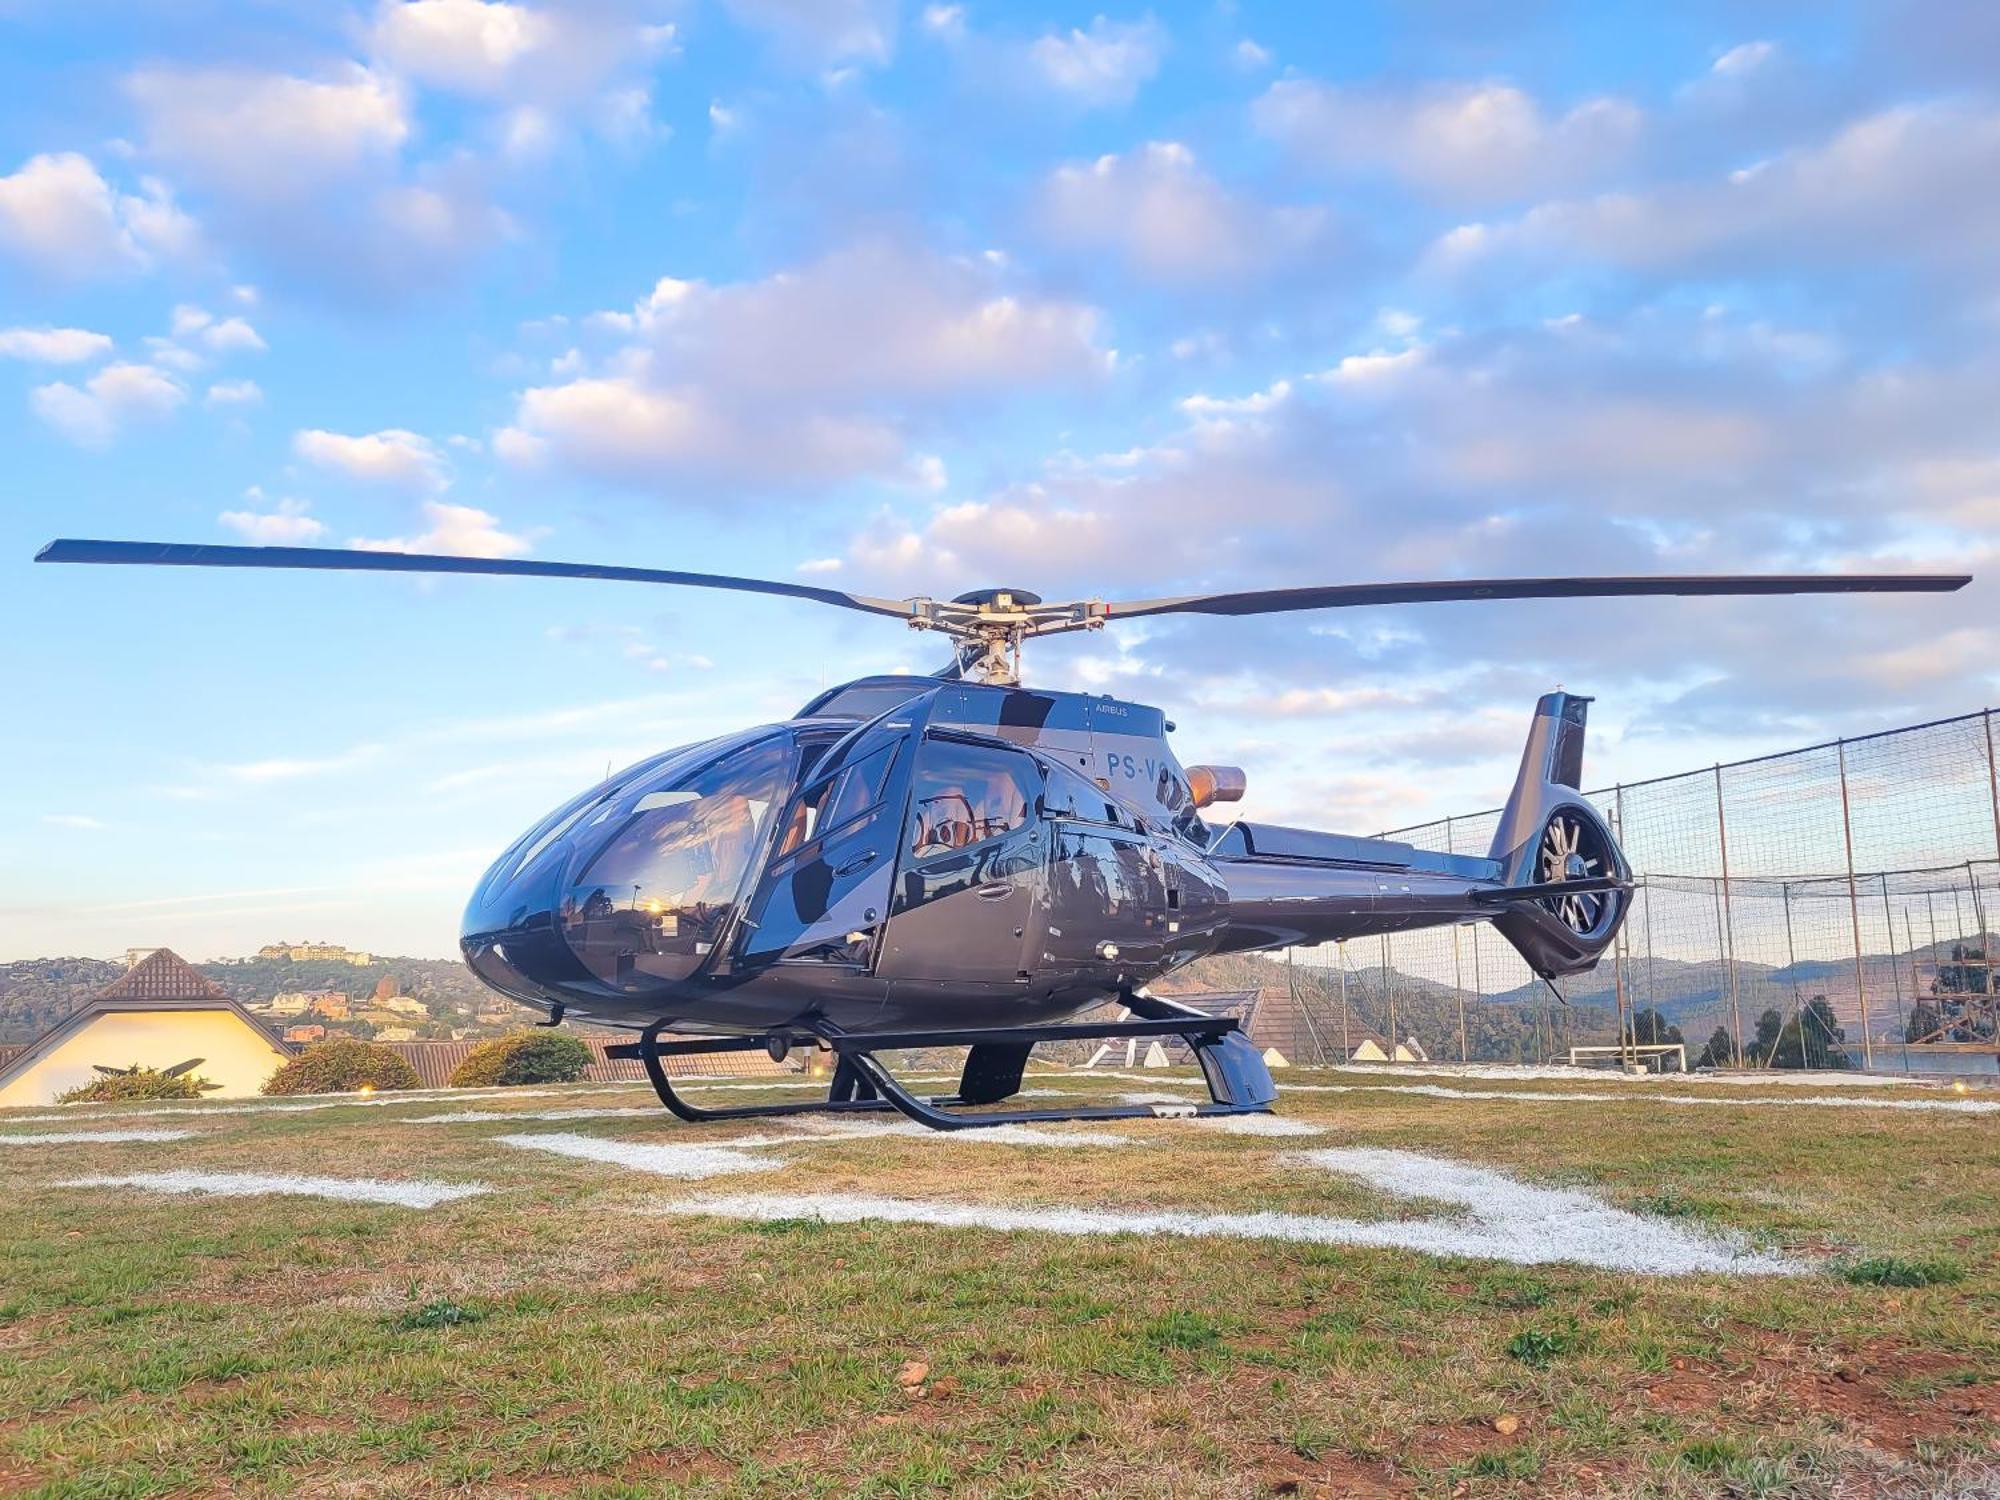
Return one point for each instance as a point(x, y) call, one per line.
point(914, 298)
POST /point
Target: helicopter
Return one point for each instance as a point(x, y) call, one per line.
point(958, 860)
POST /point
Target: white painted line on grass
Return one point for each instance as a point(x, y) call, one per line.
point(202, 1108)
point(1509, 1220)
point(1253, 1125)
point(414, 1194)
point(988, 1135)
point(1559, 1072)
point(715, 1159)
point(1438, 1091)
point(489, 1116)
point(91, 1137)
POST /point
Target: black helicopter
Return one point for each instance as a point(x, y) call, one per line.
point(959, 861)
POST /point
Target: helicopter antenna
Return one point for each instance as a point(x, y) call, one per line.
point(987, 626)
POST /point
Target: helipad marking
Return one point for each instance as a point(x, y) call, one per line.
point(989, 1135)
point(413, 1194)
point(1255, 1125)
point(1509, 1220)
point(1439, 1091)
point(489, 1116)
point(90, 1137)
point(707, 1159)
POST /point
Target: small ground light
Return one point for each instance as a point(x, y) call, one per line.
point(367, 1089)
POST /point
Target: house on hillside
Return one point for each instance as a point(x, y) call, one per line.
point(158, 1014)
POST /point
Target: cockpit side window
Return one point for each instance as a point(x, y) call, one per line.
point(836, 800)
point(966, 794)
point(1072, 796)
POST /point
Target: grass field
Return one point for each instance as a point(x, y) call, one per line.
point(569, 1332)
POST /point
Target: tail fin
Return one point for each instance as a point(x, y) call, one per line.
point(1551, 771)
point(1550, 835)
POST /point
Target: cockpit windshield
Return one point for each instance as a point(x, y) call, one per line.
point(655, 897)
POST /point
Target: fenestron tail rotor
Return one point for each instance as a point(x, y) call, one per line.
point(988, 626)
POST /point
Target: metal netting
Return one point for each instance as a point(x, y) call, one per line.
point(1833, 905)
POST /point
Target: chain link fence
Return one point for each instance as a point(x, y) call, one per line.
point(1830, 906)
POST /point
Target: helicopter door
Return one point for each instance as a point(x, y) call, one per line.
point(826, 890)
point(1107, 893)
point(968, 902)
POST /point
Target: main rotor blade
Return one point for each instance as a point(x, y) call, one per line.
point(202, 555)
point(1348, 595)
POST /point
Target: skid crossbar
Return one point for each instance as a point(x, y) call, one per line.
point(1238, 1081)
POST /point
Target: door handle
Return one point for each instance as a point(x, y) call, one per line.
point(859, 862)
point(999, 891)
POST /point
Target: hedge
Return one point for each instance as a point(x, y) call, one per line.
point(342, 1066)
point(523, 1057)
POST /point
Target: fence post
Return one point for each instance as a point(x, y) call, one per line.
point(1340, 956)
point(1993, 781)
point(1457, 964)
point(1854, 913)
point(1389, 990)
point(1728, 933)
point(1896, 970)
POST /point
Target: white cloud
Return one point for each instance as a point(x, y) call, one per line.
point(233, 336)
point(235, 393)
point(1462, 140)
point(820, 33)
point(1103, 65)
point(224, 336)
point(394, 456)
point(1156, 209)
point(288, 524)
point(544, 60)
point(270, 136)
point(116, 395)
point(819, 373)
point(1251, 57)
point(72, 820)
point(944, 20)
point(470, 46)
point(1826, 204)
point(53, 346)
point(59, 215)
point(620, 429)
point(460, 530)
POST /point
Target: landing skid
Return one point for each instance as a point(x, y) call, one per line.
point(1238, 1081)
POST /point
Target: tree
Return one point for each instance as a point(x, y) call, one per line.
point(1768, 1026)
point(1651, 1029)
point(1924, 1022)
point(1811, 1039)
point(523, 1057)
point(1720, 1052)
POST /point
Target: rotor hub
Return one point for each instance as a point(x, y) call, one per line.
point(1000, 597)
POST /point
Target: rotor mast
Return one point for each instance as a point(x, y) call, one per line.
point(987, 626)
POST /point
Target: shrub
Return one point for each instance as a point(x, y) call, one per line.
point(523, 1057)
point(341, 1067)
point(136, 1082)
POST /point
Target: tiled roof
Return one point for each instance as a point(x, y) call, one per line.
point(435, 1062)
point(163, 975)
